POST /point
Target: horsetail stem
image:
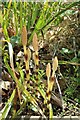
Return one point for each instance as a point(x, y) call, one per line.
point(27, 55)
point(48, 74)
point(27, 59)
point(35, 56)
point(50, 80)
point(36, 62)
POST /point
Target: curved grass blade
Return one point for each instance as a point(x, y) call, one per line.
point(8, 105)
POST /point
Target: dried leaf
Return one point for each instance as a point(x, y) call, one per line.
point(48, 70)
point(35, 42)
point(24, 36)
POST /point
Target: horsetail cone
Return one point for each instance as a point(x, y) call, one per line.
point(48, 70)
point(54, 65)
point(24, 36)
point(35, 42)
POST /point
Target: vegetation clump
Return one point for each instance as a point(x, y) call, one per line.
point(40, 73)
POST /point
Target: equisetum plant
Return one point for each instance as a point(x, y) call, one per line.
point(50, 78)
point(25, 88)
point(50, 83)
point(27, 55)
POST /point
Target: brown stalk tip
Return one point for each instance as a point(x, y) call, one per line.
point(55, 64)
point(48, 70)
point(24, 36)
point(35, 42)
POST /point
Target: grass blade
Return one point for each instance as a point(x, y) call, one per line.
point(8, 105)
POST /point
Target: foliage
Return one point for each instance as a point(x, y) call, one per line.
point(36, 17)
